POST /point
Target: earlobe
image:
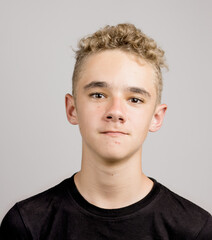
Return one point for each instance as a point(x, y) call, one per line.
point(158, 117)
point(71, 109)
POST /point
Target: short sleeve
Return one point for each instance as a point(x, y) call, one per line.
point(206, 232)
point(12, 226)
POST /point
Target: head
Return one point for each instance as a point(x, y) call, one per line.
point(124, 37)
point(117, 87)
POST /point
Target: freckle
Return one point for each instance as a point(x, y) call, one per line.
point(117, 142)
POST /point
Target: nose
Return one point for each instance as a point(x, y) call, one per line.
point(115, 111)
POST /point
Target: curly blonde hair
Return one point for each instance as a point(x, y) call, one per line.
point(125, 37)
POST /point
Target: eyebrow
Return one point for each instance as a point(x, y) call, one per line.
point(141, 91)
point(100, 84)
point(95, 84)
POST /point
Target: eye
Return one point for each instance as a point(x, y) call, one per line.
point(97, 95)
point(136, 100)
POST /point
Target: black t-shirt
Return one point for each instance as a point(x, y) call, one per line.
point(61, 213)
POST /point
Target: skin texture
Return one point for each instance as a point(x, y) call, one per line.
point(115, 108)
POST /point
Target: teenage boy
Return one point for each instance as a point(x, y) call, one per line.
point(116, 101)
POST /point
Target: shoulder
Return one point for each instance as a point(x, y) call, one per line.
point(12, 226)
point(47, 199)
point(180, 213)
point(44, 203)
point(33, 212)
point(180, 204)
point(51, 196)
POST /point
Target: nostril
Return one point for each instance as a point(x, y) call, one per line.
point(112, 117)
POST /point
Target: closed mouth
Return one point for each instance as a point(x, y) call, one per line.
point(114, 133)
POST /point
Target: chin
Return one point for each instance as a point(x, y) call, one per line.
point(114, 157)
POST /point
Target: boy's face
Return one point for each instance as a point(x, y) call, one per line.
point(115, 105)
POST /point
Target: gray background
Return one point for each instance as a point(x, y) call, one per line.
point(39, 148)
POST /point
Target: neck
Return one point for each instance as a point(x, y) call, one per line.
point(112, 184)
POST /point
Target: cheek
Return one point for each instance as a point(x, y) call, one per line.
point(87, 121)
point(91, 113)
point(140, 121)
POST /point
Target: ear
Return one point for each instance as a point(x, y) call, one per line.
point(71, 109)
point(158, 117)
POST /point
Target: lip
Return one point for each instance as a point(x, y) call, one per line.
point(114, 133)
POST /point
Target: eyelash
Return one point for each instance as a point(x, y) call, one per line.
point(137, 100)
point(97, 95)
point(94, 95)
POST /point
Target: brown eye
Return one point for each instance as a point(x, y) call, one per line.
point(136, 100)
point(97, 95)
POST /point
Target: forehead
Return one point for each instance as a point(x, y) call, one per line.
point(118, 69)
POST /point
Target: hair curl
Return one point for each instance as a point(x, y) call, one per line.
point(125, 37)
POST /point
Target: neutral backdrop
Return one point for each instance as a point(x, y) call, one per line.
point(39, 148)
